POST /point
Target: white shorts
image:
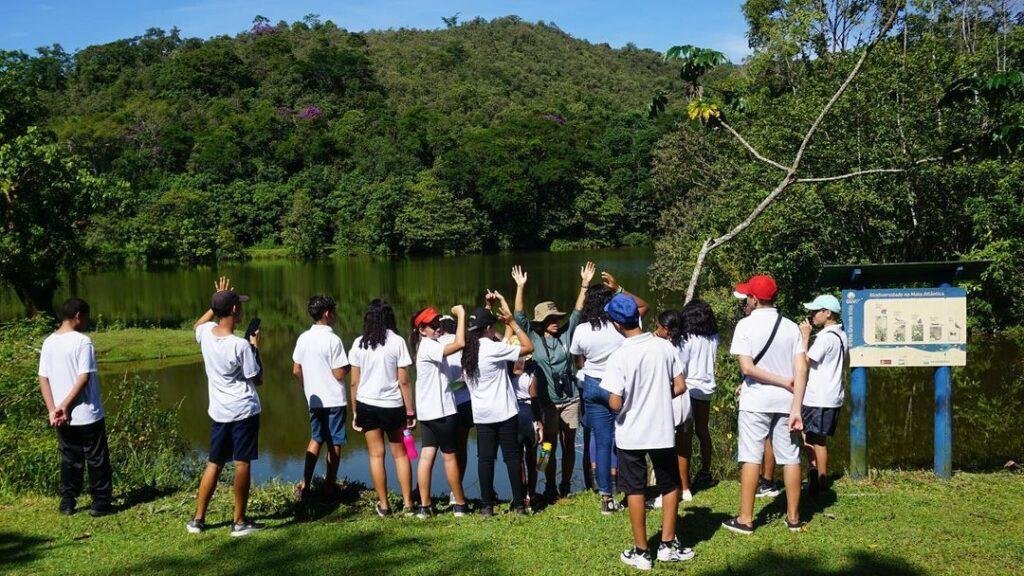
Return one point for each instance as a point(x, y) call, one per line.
point(755, 427)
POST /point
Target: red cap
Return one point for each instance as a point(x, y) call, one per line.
point(761, 287)
point(425, 317)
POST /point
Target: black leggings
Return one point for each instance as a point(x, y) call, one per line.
point(488, 437)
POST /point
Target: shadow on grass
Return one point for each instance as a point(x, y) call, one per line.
point(17, 549)
point(144, 495)
point(810, 506)
point(858, 564)
point(698, 524)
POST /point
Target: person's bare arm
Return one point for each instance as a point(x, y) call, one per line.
point(56, 415)
point(353, 390)
point(586, 275)
point(222, 283)
point(340, 373)
point(748, 369)
point(615, 401)
point(519, 277)
point(297, 372)
point(410, 408)
point(460, 331)
point(678, 385)
point(805, 335)
point(76, 389)
point(525, 346)
point(796, 422)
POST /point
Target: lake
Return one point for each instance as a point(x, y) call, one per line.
point(988, 393)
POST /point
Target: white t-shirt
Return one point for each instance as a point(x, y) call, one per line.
point(825, 378)
point(523, 382)
point(681, 404)
point(595, 346)
point(494, 399)
point(748, 339)
point(319, 351)
point(378, 371)
point(63, 359)
point(230, 367)
point(455, 370)
point(641, 372)
point(700, 368)
point(434, 398)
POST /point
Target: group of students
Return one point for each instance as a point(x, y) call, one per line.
point(641, 396)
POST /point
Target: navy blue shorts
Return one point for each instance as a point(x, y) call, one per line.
point(328, 425)
point(820, 421)
point(238, 441)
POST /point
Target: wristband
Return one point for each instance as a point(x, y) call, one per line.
point(410, 414)
point(620, 290)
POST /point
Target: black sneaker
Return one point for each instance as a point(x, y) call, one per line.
point(767, 489)
point(460, 510)
point(563, 490)
point(550, 496)
point(424, 512)
point(609, 506)
point(487, 511)
point(641, 560)
point(382, 511)
point(734, 525)
point(245, 527)
point(703, 480)
point(794, 526)
point(195, 526)
point(67, 509)
point(98, 511)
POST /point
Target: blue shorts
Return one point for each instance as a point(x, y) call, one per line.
point(238, 441)
point(327, 425)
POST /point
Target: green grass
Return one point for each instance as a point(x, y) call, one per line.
point(893, 524)
point(142, 344)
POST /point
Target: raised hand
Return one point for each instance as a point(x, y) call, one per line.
point(805, 329)
point(458, 310)
point(255, 339)
point(608, 280)
point(489, 297)
point(587, 272)
point(518, 275)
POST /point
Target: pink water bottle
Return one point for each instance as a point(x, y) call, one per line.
point(410, 444)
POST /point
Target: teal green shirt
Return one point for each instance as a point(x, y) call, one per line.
point(552, 355)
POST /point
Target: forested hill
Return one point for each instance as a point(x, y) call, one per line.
point(484, 135)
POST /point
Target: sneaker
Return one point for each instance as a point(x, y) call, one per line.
point(687, 496)
point(67, 509)
point(767, 489)
point(408, 511)
point(487, 511)
point(563, 490)
point(550, 496)
point(703, 479)
point(734, 525)
point(245, 528)
point(654, 503)
point(382, 511)
point(98, 511)
point(673, 552)
point(195, 526)
point(460, 510)
point(609, 506)
point(424, 512)
point(451, 499)
point(641, 560)
point(794, 526)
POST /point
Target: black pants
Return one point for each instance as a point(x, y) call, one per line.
point(488, 437)
point(82, 446)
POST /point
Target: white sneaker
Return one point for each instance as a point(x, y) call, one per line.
point(687, 496)
point(451, 499)
point(673, 552)
point(245, 528)
point(641, 561)
point(654, 503)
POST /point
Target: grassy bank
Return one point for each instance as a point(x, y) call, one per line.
point(895, 523)
point(142, 344)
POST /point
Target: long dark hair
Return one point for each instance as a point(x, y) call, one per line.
point(698, 319)
point(471, 355)
point(593, 305)
point(379, 318)
point(672, 321)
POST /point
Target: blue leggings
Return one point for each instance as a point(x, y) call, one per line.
point(601, 421)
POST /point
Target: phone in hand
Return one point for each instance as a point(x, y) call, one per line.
point(254, 325)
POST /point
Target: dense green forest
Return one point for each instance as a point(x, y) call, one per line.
point(503, 134)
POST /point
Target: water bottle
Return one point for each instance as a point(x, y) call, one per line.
point(543, 453)
point(410, 444)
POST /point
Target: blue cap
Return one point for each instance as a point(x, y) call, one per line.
point(622, 309)
point(824, 302)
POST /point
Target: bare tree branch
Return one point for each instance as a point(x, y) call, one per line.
point(751, 148)
point(872, 170)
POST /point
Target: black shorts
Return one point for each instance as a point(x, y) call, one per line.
point(369, 417)
point(238, 441)
point(633, 470)
point(465, 415)
point(819, 421)
point(440, 433)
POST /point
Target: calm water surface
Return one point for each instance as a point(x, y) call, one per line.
point(988, 394)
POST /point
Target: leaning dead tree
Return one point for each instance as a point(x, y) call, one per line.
point(699, 61)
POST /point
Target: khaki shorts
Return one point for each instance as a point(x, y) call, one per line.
point(557, 414)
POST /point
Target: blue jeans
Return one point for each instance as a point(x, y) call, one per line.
point(601, 421)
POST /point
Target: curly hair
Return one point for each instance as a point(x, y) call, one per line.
point(379, 318)
point(593, 305)
point(672, 321)
point(471, 356)
point(698, 319)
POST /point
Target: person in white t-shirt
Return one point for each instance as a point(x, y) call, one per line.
point(824, 396)
point(531, 420)
point(435, 401)
point(670, 327)
point(641, 378)
point(593, 342)
point(774, 367)
point(495, 410)
point(320, 365)
point(233, 372)
point(382, 400)
point(71, 391)
point(700, 343)
point(463, 400)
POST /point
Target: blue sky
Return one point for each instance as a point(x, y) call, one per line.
point(657, 24)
